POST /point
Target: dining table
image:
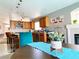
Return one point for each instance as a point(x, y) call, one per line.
point(41, 50)
point(29, 52)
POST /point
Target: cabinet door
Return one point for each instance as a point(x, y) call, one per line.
point(13, 24)
point(35, 37)
point(44, 22)
point(26, 25)
point(32, 24)
point(42, 37)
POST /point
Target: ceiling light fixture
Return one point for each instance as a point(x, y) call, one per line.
point(19, 12)
point(20, 0)
point(18, 3)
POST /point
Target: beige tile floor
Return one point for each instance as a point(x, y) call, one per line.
point(8, 56)
point(4, 53)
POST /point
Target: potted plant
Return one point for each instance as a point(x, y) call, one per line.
point(56, 39)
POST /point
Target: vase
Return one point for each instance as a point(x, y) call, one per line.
point(56, 44)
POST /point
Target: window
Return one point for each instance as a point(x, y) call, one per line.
point(37, 26)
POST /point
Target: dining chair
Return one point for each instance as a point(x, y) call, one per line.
point(12, 41)
point(25, 38)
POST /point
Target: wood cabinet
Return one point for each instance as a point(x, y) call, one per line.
point(44, 22)
point(35, 37)
point(32, 24)
point(42, 37)
point(26, 25)
point(39, 36)
point(22, 24)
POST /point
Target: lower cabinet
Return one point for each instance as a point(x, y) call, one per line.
point(35, 37)
point(42, 37)
point(39, 37)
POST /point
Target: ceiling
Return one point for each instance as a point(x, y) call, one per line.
point(32, 8)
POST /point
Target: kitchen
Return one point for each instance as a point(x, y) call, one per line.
point(37, 26)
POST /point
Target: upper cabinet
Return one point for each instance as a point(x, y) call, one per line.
point(32, 24)
point(19, 24)
point(26, 25)
point(44, 22)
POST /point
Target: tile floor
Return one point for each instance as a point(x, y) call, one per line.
point(4, 52)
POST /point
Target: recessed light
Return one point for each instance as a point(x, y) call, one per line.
point(18, 3)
